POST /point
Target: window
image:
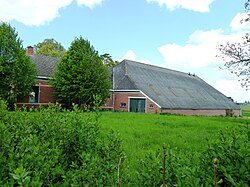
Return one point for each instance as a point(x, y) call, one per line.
point(33, 98)
point(122, 105)
point(151, 106)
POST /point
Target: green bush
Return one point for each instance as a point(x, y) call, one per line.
point(232, 150)
point(187, 168)
point(55, 147)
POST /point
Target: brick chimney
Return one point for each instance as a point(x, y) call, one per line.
point(30, 50)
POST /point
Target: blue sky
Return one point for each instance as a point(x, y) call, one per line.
point(176, 34)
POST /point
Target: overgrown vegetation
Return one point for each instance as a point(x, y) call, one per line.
point(192, 144)
point(55, 147)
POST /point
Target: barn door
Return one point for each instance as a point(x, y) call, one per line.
point(137, 105)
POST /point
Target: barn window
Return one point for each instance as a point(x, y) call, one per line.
point(151, 106)
point(122, 105)
point(34, 95)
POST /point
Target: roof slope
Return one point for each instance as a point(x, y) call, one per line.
point(168, 88)
point(45, 65)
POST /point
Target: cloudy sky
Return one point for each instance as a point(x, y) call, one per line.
point(176, 34)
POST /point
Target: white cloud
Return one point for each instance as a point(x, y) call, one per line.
point(130, 55)
point(232, 88)
point(198, 55)
point(194, 5)
point(238, 23)
point(89, 3)
point(36, 12)
point(31, 12)
point(200, 49)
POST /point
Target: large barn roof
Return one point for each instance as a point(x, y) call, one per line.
point(168, 88)
point(45, 65)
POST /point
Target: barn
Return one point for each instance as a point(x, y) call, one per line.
point(139, 87)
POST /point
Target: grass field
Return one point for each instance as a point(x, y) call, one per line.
point(245, 111)
point(148, 132)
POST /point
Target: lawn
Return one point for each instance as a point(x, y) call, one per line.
point(147, 132)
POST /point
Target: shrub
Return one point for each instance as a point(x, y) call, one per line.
point(232, 150)
point(55, 147)
point(186, 168)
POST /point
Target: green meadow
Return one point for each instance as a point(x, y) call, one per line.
point(142, 133)
point(245, 111)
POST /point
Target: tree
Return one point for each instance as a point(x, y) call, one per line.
point(17, 72)
point(237, 55)
point(50, 47)
point(247, 5)
point(81, 77)
point(108, 61)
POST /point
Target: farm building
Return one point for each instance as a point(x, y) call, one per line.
point(141, 87)
point(42, 92)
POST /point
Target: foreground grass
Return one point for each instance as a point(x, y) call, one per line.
point(147, 132)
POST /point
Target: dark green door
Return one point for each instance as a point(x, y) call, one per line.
point(137, 105)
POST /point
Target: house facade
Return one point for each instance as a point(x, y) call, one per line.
point(42, 93)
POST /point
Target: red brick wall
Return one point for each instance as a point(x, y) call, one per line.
point(45, 95)
point(108, 105)
point(151, 107)
point(123, 97)
point(200, 112)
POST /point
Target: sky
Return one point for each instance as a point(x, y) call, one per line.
point(182, 35)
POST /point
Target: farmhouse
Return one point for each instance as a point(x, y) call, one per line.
point(42, 92)
point(141, 87)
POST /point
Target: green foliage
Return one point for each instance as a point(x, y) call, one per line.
point(17, 72)
point(55, 147)
point(50, 47)
point(81, 76)
point(108, 61)
point(231, 150)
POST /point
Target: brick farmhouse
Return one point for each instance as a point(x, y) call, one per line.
point(139, 87)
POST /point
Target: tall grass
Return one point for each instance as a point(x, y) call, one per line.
point(142, 133)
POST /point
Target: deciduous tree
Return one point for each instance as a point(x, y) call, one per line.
point(17, 72)
point(108, 61)
point(237, 55)
point(81, 77)
point(50, 47)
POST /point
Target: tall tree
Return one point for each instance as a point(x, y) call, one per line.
point(237, 55)
point(108, 61)
point(50, 47)
point(81, 77)
point(17, 72)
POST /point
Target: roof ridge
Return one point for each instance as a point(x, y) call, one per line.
point(159, 67)
point(45, 56)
